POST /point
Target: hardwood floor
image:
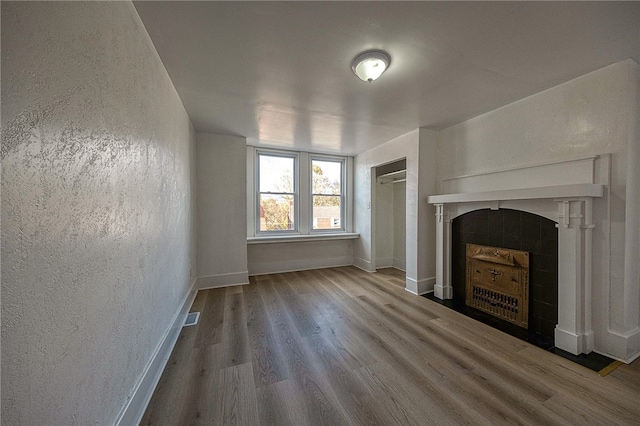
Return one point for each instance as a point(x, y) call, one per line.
point(342, 346)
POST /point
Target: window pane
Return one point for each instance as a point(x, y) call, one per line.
point(276, 212)
point(326, 212)
point(326, 177)
point(276, 174)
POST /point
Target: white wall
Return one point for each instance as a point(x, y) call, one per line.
point(222, 210)
point(399, 226)
point(593, 114)
point(390, 225)
point(297, 256)
point(417, 147)
point(97, 235)
point(384, 228)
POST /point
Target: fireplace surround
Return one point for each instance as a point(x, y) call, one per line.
point(570, 205)
point(533, 240)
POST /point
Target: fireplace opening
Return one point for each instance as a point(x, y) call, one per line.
point(523, 241)
point(497, 283)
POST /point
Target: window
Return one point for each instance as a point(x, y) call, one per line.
point(296, 194)
point(327, 193)
point(277, 195)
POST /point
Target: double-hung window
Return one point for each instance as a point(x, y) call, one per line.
point(277, 192)
point(327, 193)
point(298, 193)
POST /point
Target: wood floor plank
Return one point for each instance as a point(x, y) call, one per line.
point(388, 349)
point(295, 307)
point(394, 276)
point(272, 304)
point(356, 284)
point(322, 404)
point(354, 341)
point(573, 411)
point(234, 289)
point(616, 402)
point(235, 335)
point(407, 403)
point(199, 301)
point(201, 386)
point(275, 406)
point(323, 302)
point(300, 282)
point(344, 346)
point(458, 351)
point(628, 375)
point(211, 318)
point(360, 405)
point(238, 404)
point(267, 361)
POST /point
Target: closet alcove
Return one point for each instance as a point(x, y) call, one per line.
point(390, 215)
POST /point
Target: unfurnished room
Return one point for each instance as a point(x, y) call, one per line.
point(320, 213)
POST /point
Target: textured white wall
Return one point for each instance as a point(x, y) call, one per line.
point(97, 237)
point(593, 114)
point(221, 163)
point(585, 116)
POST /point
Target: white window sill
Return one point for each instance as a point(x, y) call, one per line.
point(301, 238)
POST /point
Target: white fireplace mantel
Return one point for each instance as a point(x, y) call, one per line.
point(544, 192)
point(570, 206)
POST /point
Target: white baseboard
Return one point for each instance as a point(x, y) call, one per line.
point(384, 262)
point(363, 264)
point(575, 343)
point(222, 280)
point(623, 347)
point(298, 265)
point(134, 408)
point(420, 287)
point(443, 292)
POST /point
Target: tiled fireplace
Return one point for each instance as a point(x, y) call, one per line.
point(552, 222)
point(496, 246)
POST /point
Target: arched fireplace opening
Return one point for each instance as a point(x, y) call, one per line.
point(511, 230)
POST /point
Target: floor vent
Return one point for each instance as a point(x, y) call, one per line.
point(192, 319)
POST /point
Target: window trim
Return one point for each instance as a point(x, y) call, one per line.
point(296, 191)
point(343, 174)
point(302, 182)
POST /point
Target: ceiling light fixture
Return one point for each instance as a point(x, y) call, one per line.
point(370, 65)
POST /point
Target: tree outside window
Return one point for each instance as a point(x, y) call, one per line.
point(277, 198)
point(326, 182)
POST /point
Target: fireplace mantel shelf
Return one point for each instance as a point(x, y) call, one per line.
point(555, 192)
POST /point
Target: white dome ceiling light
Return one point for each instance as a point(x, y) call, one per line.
point(370, 65)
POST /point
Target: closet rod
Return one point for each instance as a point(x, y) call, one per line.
point(393, 181)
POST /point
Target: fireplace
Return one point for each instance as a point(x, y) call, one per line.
point(520, 233)
point(570, 209)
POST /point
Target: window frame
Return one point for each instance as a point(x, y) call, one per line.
point(343, 186)
point(303, 186)
point(296, 191)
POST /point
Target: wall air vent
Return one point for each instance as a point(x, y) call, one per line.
point(192, 319)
